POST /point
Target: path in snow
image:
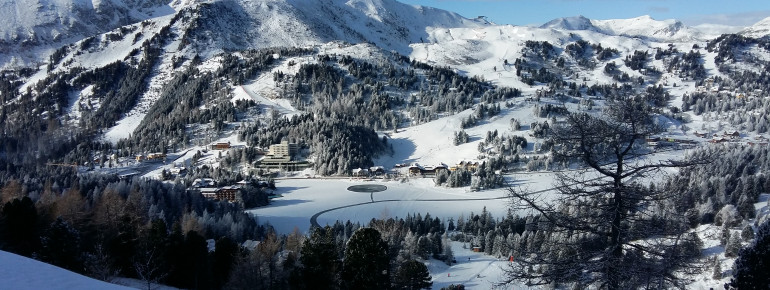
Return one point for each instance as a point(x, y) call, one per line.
point(314, 218)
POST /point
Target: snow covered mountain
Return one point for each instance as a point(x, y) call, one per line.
point(759, 29)
point(202, 30)
point(643, 26)
point(28, 33)
point(31, 28)
point(391, 25)
point(571, 23)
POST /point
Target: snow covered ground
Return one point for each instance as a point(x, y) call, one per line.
point(303, 198)
point(474, 270)
point(17, 272)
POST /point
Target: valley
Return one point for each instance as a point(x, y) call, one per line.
point(240, 125)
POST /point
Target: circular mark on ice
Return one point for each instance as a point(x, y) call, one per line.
point(367, 188)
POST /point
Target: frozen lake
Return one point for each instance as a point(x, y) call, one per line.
point(303, 198)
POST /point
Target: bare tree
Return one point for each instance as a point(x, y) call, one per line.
point(99, 266)
point(148, 270)
point(603, 227)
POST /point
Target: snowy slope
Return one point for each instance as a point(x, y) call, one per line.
point(29, 30)
point(241, 24)
point(710, 31)
point(645, 26)
point(759, 29)
point(17, 272)
point(483, 51)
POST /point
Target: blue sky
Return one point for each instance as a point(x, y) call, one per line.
point(525, 12)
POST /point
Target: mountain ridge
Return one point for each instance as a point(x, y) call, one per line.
point(642, 26)
point(225, 24)
point(389, 24)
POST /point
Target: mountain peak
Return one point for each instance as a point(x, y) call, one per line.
point(645, 17)
point(579, 22)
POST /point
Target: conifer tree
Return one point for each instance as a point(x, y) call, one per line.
point(366, 261)
point(716, 272)
point(753, 263)
point(320, 260)
point(412, 275)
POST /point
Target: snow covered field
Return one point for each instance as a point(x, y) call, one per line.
point(303, 198)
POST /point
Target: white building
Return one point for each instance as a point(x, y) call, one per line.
point(285, 149)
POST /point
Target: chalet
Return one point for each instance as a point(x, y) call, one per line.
point(204, 182)
point(472, 165)
point(139, 157)
point(377, 170)
point(718, 140)
point(467, 165)
point(220, 146)
point(702, 135)
point(441, 167)
point(361, 172)
point(416, 169)
point(156, 156)
point(732, 135)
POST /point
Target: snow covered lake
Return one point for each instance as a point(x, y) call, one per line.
point(303, 198)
